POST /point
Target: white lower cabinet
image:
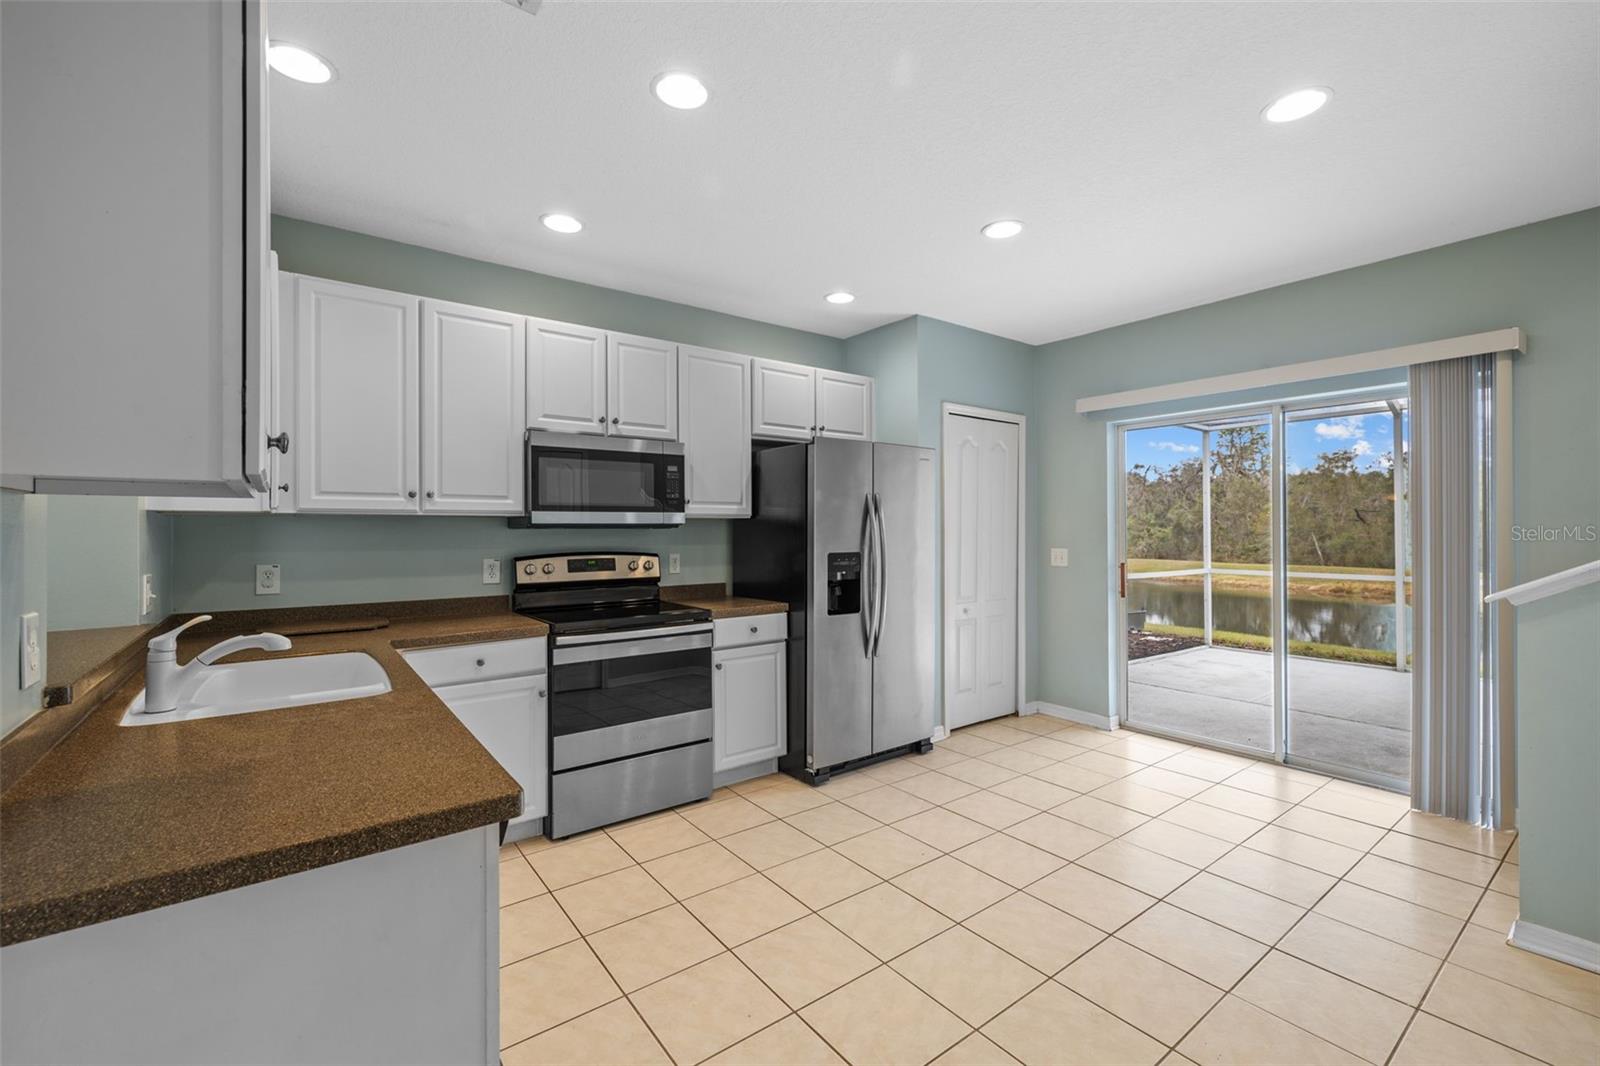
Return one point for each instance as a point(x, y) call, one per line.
point(509, 716)
point(749, 698)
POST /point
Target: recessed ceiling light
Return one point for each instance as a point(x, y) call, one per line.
point(840, 297)
point(561, 223)
point(677, 89)
point(1001, 229)
point(295, 62)
point(1296, 105)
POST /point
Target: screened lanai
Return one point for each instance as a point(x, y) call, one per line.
point(1267, 537)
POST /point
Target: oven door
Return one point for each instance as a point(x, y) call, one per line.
point(606, 481)
point(617, 695)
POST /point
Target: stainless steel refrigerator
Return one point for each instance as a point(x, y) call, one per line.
point(843, 531)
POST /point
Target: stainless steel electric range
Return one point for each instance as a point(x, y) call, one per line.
point(630, 687)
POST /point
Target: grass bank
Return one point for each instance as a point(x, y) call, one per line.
point(1309, 649)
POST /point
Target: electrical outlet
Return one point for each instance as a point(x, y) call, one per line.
point(491, 571)
point(674, 562)
point(30, 653)
point(269, 582)
point(147, 593)
point(1058, 557)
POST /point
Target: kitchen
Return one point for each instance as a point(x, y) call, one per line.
point(439, 635)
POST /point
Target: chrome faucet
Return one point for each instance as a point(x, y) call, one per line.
point(165, 681)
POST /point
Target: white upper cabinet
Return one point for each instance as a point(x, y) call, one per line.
point(641, 387)
point(472, 409)
point(356, 402)
point(783, 400)
point(135, 246)
point(844, 405)
point(566, 377)
point(714, 404)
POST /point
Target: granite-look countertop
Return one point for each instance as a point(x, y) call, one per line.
point(117, 820)
point(715, 599)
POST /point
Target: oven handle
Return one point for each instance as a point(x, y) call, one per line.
point(619, 635)
point(590, 653)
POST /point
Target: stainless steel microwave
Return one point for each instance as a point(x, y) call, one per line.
point(573, 479)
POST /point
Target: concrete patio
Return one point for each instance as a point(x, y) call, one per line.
point(1339, 713)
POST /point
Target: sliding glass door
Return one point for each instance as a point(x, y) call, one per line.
point(1263, 584)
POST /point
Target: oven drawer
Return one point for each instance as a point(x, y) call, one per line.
point(478, 662)
point(631, 738)
point(755, 629)
point(615, 791)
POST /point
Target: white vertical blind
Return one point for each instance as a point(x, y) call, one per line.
point(1455, 734)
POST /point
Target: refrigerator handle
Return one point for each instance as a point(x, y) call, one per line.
point(868, 550)
point(880, 593)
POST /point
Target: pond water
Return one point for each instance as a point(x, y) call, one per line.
point(1348, 623)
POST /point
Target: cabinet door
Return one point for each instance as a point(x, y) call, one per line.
point(747, 705)
point(714, 404)
point(783, 400)
point(566, 377)
point(510, 719)
point(472, 409)
point(641, 387)
point(844, 405)
point(356, 398)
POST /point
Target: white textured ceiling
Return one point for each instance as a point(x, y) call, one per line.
point(861, 145)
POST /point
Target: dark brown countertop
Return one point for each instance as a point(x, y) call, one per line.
point(715, 599)
point(112, 821)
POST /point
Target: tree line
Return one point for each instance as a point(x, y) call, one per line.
point(1338, 513)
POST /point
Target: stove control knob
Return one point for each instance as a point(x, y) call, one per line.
point(633, 564)
point(549, 568)
point(649, 565)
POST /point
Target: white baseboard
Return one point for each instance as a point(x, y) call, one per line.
point(1554, 944)
point(1072, 714)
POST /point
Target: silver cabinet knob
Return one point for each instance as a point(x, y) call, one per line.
point(813, 429)
point(755, 629)
point(430, 494)
point(280, 442)
point(541, 694)
point(719, 666)
point(284, 487)
point(480, 662)
point(412, 494)
point(822, 429)
point(615, 420)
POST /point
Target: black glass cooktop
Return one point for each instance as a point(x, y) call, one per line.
point(606, 617)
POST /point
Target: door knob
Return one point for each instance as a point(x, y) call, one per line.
point(280, 442)
point(284, 487)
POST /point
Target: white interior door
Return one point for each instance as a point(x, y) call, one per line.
point(982, 469)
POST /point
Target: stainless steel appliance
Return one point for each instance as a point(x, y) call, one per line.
point(843, 532)
point(630, 687)
point(574, 479)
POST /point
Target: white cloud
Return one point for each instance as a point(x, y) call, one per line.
point(1350, 428)
point(1362, 448)
point(1174, 446)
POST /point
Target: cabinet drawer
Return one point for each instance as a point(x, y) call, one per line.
point(755, 629)
point(478, 662)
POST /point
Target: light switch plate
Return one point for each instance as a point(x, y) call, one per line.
point(269, 582)
point(147, 593)
point(1058, 557)
point(31, 655)
point(491, 571)
point(674, 562)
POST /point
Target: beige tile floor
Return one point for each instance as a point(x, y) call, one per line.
point(1033, 891)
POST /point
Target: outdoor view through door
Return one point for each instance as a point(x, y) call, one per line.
point(1265, 609)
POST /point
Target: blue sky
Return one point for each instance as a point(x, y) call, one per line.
point(1369, 436)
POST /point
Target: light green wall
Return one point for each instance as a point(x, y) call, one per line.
point(888, 355)
point(24, 578)
point(326, 252)
point(1543, 277)
point(375, 558)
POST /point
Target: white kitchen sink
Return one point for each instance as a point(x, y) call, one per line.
point(268, 684)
